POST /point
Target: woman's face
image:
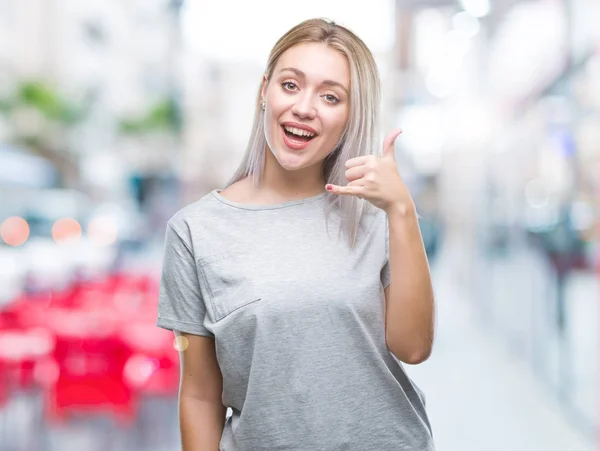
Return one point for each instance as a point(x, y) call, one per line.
point(307, 104)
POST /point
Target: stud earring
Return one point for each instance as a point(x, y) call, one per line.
point(262, 105)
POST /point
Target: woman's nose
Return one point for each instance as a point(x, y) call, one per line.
point(304, 107)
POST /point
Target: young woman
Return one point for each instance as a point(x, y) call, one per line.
point(297, 291)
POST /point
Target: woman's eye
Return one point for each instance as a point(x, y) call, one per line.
point(290, 86)
point(331, 98)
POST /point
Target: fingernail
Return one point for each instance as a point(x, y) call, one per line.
point(328, 187)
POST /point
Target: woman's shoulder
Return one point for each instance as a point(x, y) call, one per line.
point(194, 214)
point(239, 192)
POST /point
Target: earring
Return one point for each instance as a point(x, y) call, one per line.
point(262, 105)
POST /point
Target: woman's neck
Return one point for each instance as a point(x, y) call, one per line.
point(291, 185)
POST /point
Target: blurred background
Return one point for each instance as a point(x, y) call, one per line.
point(116, 113)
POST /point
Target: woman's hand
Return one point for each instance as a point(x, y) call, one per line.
point(377, 180)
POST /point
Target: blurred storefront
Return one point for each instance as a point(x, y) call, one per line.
point(500, 106)
point(543, 175)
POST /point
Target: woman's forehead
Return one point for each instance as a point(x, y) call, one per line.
point(315, 62)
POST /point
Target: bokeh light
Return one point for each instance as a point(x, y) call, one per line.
point(180, 343)
point(537, 193)
point(102, 231)
point(14, 231)
point(66, 229)
point(139, 369)
point(476, 8)
point(466, 24)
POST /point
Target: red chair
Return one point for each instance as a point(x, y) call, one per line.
point(93, 347)
point(90, 358)
point(153, 369)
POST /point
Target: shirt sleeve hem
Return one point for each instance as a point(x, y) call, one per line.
point(182, 326)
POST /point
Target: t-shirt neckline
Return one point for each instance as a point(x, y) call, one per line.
point(217, 195)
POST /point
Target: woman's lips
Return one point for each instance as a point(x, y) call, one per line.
point(292, 143)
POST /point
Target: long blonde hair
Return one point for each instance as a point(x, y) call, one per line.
point(360, 136)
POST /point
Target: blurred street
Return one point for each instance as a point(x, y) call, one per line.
point(480, 395)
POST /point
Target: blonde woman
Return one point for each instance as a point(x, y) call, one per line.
point(299, 289)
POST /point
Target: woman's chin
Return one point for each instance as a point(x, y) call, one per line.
point(292, 162)
point(295, 160)
point(293, 167)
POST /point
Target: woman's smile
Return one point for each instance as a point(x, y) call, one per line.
point(297, 136)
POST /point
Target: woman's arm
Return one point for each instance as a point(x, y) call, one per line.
point(409, 297)
point(201, 412)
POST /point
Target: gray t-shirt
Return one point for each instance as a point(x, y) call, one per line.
point(298, 319)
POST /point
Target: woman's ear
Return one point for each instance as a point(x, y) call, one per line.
point(263, 89)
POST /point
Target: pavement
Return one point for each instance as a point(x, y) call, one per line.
point(481, 396)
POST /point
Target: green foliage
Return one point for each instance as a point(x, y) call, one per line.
point(163, 116)
point(42, 97)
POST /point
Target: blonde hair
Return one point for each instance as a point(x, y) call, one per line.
point(360, 135)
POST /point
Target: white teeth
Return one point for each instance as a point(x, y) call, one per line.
point(298, 131)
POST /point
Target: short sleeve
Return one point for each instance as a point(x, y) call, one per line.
point(180, 303)
point(385, 271)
